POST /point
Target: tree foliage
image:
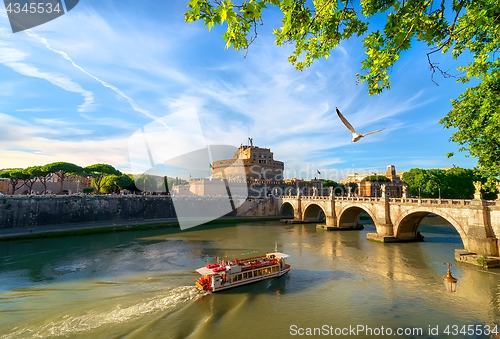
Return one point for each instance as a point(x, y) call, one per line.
point(455, 183)
point(37, 173)
point(62, 169)
point(330, 183)
point(103, 175)
point(468, 29)
point(378, 178)
point(476, 117)
point(126, 182)
point(146, 183)
point(14, 176)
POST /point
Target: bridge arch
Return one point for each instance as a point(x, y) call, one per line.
point(406, 227)
point(287, 209)
point(313, 212)
point(349, 216)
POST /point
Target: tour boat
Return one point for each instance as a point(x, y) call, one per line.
point(224, 275)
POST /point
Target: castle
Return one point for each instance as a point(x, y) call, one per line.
point(258, 164)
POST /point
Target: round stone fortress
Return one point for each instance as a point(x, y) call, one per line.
point(258, 164)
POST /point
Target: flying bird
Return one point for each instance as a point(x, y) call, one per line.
point(355, 136)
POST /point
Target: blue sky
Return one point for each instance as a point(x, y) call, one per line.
point(77, 88)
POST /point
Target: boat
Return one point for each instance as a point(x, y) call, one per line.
point(229, 274)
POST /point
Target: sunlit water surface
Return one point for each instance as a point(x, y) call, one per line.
point(141, 284)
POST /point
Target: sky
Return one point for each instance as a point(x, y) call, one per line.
point(85, 87)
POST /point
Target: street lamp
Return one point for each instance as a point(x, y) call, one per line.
point(439, 188)
point(419, 192)
point(449, 281)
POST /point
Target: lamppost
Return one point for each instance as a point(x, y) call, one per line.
point(419, 192)
point(450, 282)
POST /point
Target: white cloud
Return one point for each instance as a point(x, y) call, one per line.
point(132, 103)
point(42, 142)
point(11, 58)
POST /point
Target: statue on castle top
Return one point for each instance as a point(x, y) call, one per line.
point(250, 141)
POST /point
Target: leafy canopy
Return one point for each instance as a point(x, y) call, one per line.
point(455, 183)
point(379, 178)
point(463, 27)
point(62, 168)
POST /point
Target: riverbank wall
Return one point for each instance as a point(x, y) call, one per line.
point(36, 211)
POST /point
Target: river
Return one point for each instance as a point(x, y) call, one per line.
point(141, 285)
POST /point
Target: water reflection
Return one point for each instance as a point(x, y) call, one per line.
point(140, 284)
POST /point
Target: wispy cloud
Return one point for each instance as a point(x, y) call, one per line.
point(33, 110)
point(12, 57)
point(132, 103)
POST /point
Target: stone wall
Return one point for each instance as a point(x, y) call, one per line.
point(257, 207)
point(32, 211)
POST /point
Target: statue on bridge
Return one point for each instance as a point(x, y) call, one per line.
point(314, 191)
point(405, 191)
point(478, 185)
point(382, 187)
point(331, 191)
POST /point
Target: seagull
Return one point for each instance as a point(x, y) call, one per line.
point(355, 136)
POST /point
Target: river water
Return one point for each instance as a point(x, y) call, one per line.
point(141, 285)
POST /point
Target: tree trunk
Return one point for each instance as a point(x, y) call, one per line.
point(61, 176)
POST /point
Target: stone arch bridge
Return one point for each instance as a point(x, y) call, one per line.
point(397, 219)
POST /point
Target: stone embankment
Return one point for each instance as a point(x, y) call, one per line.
point(44, 211)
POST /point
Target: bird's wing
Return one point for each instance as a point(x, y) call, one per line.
point(346, 123)
point(374, 132)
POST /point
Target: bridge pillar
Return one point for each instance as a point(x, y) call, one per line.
point(331, 218)
point(297, 213)
point(480, 238)
point(385, 229)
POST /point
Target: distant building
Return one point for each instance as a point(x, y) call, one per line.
point(181, 190)
point(393, 188)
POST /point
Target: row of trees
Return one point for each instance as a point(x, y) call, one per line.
point(454, 183)
point(105, 178)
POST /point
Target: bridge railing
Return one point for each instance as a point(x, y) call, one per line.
point(462, 202)
point(448, 202)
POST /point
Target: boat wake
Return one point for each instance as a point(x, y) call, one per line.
point(167, 302)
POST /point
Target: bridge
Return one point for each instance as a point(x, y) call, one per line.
point(477, 221)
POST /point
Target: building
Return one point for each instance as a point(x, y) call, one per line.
point(4, 186)
point(250, 163)
point(252, 171)
point(393, 188)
